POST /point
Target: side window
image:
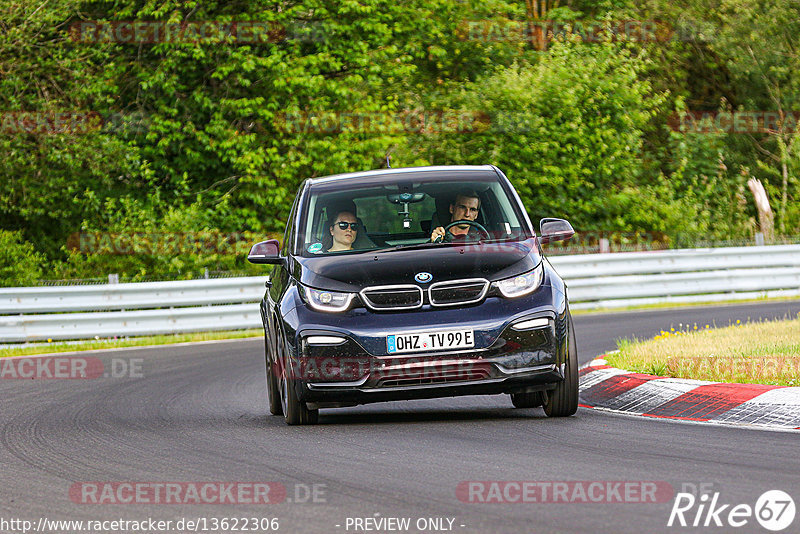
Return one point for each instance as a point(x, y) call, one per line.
point(318, 226)
point(289, 233)
point(321, 229)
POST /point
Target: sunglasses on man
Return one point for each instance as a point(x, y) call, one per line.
point(344, 224)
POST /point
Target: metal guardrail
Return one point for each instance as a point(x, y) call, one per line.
point(16, 328)
point(673, 261)
point(594, 280)
point(133, 296)
point(680, 276)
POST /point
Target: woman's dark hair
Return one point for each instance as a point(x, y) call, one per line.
point(327, 238)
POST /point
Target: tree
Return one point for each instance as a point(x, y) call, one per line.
point(20, 264)
point(761, 40)
point(568, 132)
point(58, 155)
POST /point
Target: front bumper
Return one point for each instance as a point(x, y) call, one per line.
point(336, 366)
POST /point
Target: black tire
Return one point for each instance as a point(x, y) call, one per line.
point(527, 400)
point(563, 400)
point(273, 394)
point(295, 412)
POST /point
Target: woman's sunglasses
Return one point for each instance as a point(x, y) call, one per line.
point(344, 224)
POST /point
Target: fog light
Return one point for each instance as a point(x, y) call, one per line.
point(325, 340)
point(531, 323)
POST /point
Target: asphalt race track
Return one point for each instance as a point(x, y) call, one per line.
point(197, 413)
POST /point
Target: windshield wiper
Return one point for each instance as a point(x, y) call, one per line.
point(428, 244)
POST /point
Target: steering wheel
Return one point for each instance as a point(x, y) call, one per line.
point(450, 237)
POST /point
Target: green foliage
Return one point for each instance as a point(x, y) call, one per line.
point(139, 241)
point(734, 56)
point(212, 137)
point(20, 264)
point(568, 132)
point(58, 158)
point(760, 40)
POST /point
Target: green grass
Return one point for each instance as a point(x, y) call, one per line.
point(95, 344)
point(677, 305)
point(754, 353)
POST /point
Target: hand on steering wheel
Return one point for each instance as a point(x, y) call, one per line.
point(449, 237)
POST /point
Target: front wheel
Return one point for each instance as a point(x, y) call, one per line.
point(563, 400)
point(273, 394)
point(295, 412)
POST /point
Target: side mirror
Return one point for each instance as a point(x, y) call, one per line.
point(553, 230)
point(265, 252)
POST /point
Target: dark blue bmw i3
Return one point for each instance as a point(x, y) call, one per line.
point(414, 283)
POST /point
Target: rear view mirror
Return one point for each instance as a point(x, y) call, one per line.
point(405, 198)
point(553, 230)
point(265, 252)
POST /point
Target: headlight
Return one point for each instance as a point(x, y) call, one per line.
point(522, 284)
point(329, 301)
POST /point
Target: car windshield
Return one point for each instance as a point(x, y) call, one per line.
point(346, 218)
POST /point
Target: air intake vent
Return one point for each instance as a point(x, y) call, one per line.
point(400, 297)
point(457, 292)
point(424, 378)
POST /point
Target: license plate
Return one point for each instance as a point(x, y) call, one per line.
point(424, 341)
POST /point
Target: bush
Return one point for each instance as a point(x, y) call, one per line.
point(20, 264)
point(139, 240)
point(568, 131)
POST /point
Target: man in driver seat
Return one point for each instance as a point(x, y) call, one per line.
point(464, 207)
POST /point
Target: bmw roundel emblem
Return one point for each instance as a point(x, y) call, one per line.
point(423, 278)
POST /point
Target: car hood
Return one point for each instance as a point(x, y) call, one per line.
point(353, 272)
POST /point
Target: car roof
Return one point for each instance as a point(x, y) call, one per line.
point(429, 171)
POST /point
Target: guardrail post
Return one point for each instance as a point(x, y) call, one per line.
point(113, 278)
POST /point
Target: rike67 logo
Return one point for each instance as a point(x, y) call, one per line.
point(774, 510)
